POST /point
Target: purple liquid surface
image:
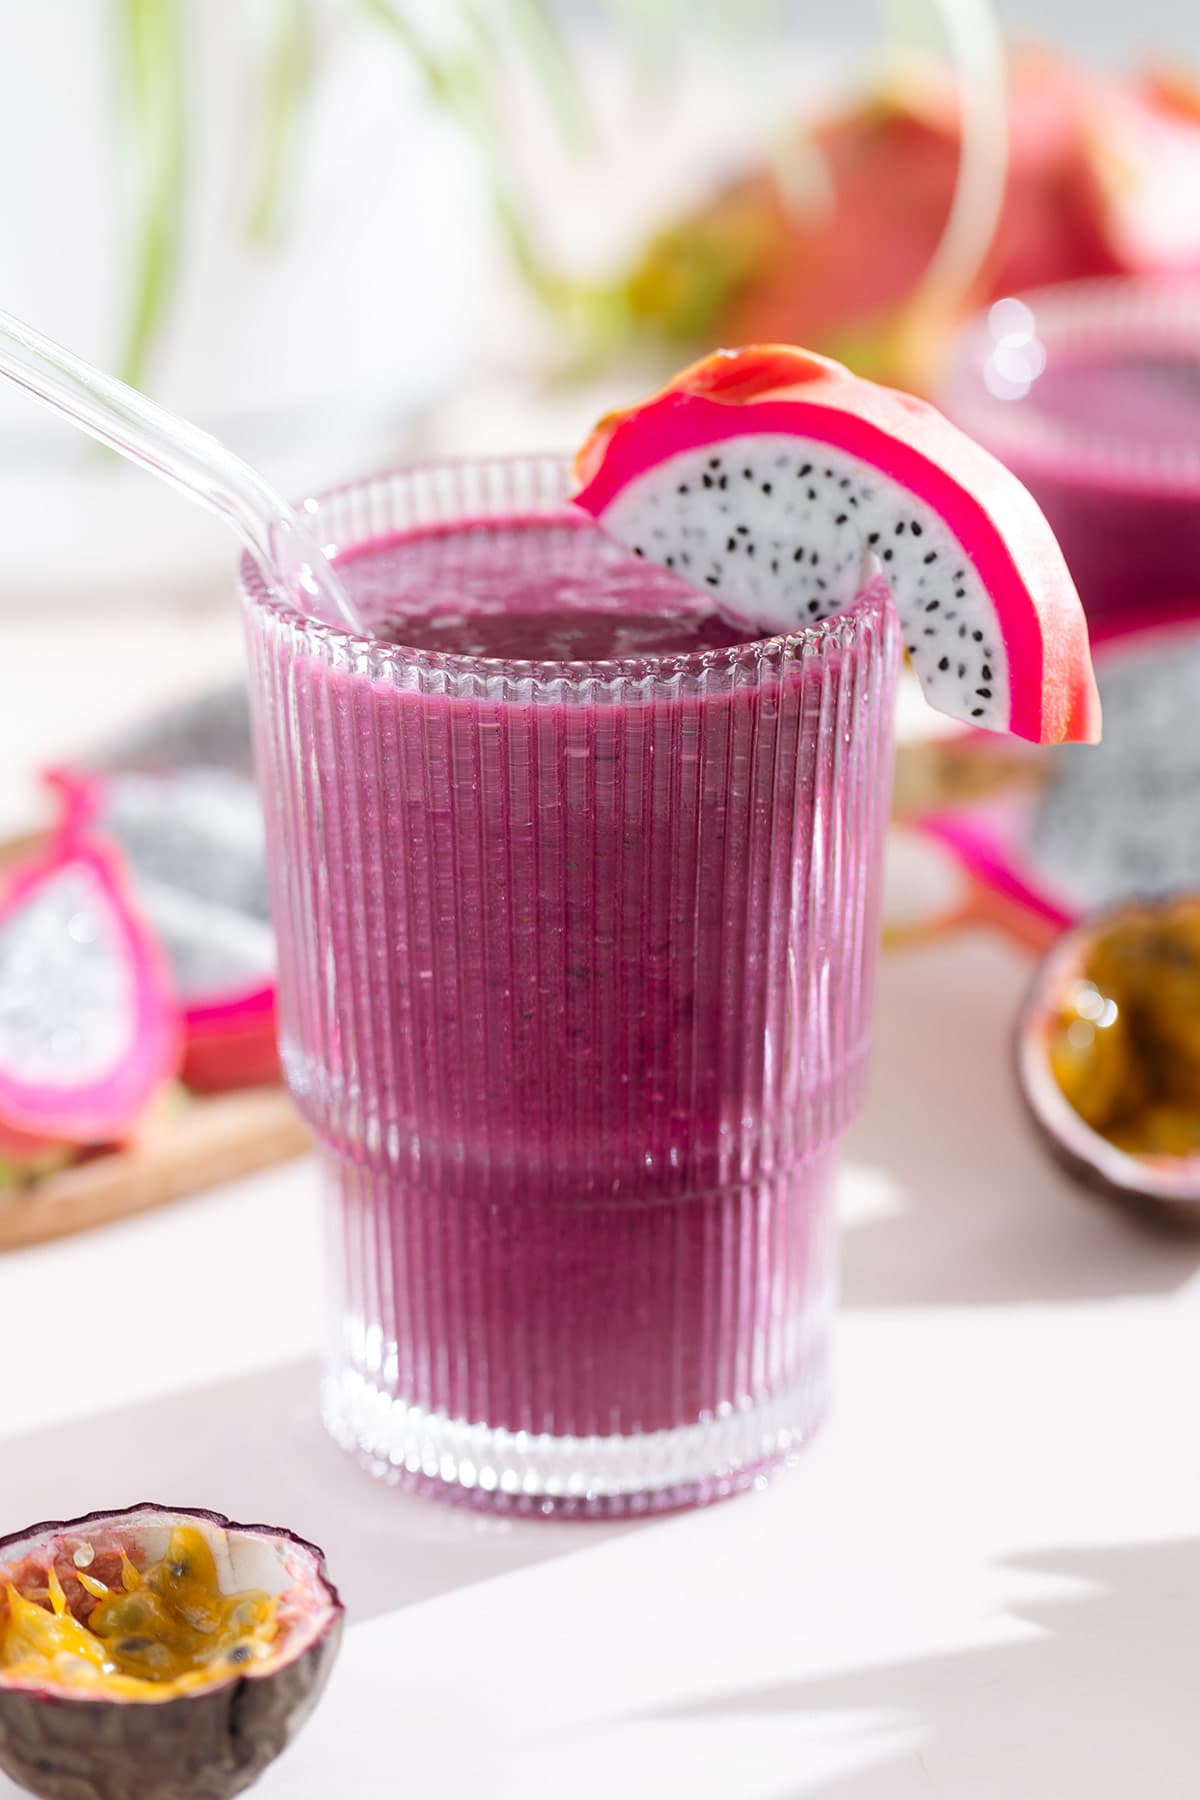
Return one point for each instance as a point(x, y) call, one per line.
point(1151, 398)
point(1108, 442)
point(537, 592)
point(575, 986)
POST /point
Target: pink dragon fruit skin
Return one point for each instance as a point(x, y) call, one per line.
point(231, 1042)
point(229, 1029)
point(134, 1021)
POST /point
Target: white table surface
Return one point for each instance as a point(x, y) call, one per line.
point(981, 1583)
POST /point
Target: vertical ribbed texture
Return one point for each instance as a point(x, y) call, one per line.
point(576, 972)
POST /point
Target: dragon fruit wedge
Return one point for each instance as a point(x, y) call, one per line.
point(192, 840)
point(778, 480)
point(88, 1026)
point(1101, 829)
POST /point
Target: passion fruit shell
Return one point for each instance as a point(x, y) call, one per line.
point(1117, 1130)
point(206, 1744)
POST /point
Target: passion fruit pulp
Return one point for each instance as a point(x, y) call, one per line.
point(1108, 1054)
point(157, 1653)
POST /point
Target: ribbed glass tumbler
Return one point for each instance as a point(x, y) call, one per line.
point(575, 974)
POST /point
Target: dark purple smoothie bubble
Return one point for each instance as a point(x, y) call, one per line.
point(1090, 392)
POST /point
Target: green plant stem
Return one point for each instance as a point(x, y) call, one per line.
point(153, 103)
point(289, 77)
point(460, 85)
point(536, 29)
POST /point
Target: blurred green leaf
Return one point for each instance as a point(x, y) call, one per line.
point(289, 77)
point(462, 84)
point(428, 63)
point(153, 104)
point(535, 34)
point(462, 51)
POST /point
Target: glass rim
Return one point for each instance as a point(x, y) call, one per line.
point(1082, 315)
point(838, 631)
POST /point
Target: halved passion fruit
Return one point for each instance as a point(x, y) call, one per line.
point(1108, 1054)
point(157, 1653)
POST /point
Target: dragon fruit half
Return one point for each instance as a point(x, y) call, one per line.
point(192, 840)
point(777, 479)
point(89, 1032)
point(1114, 826)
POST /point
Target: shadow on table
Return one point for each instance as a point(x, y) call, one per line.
point(1100, 1704)
point(255, 1449)
point(978, 1211)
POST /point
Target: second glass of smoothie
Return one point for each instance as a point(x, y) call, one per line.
point(576, 888)
point(1090, 392)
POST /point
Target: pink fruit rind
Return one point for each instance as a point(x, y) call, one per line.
point(236, 1010)
point(78, 798)
point(998, 524)
point(980, 839)
point(232, 1043)
point(107, 1108)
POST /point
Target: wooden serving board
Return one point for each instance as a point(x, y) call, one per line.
point(210, 1139)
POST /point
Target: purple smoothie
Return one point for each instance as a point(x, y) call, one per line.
point(1120, 393)
point(1104, 430)
point(577, 944)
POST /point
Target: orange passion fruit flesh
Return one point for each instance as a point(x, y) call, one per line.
point(1124, 1033)
point(112, 1628)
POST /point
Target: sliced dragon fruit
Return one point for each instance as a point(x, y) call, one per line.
point(88, 1026)
point(1114, 825)
point(770, 475)
point(193, 841)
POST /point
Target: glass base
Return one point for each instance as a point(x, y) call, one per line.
point(584, 1477)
